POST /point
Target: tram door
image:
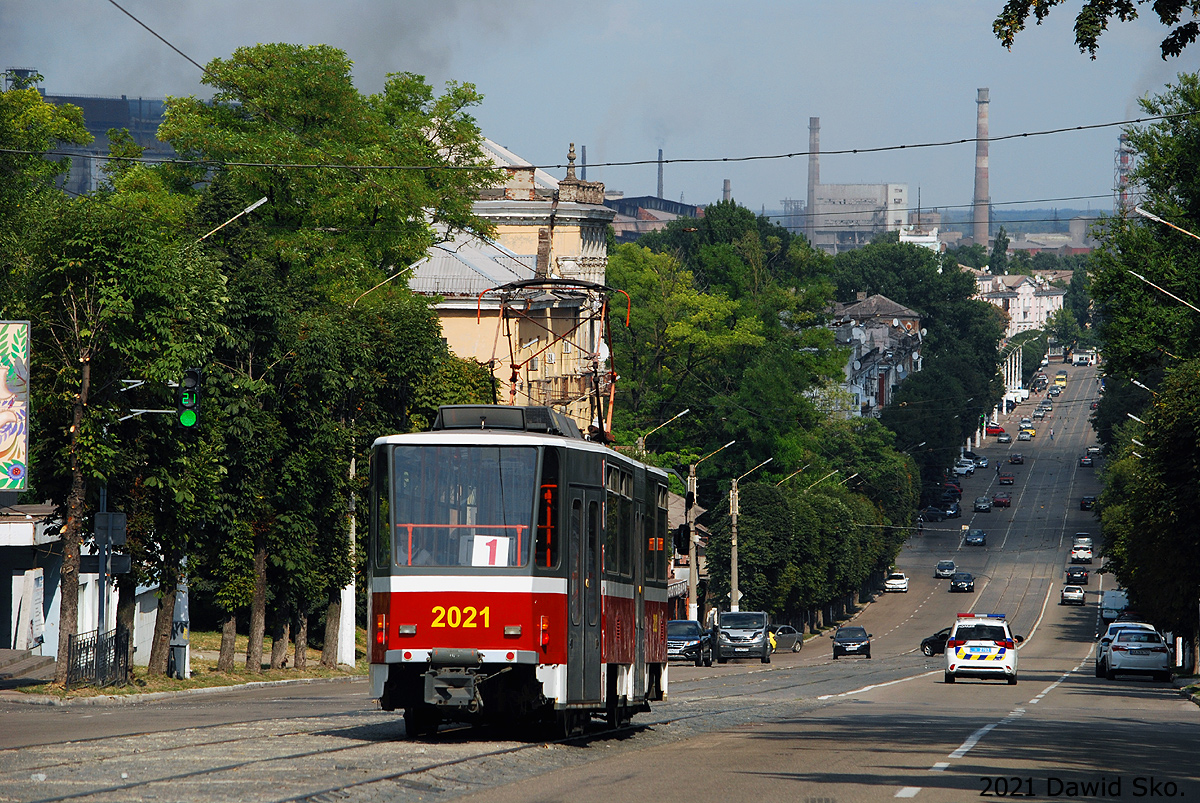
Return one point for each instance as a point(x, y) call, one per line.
point(583, 596)
point(639, 599)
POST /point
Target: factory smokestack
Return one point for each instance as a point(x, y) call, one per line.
point(726, 193)
point(814, 178)
point(980, 213)
point(660, 166)
point(583, 163)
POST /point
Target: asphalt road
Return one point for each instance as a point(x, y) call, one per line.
point(803, 728)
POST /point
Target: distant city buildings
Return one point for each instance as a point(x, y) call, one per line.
point(884, 339)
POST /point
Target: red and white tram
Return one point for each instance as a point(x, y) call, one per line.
point(518, 573)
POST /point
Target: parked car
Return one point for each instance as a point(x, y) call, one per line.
point(1007, 479)
point(1106, 637)
point(964, 467)
point(936, 644)
point(1002, 499)
point(983, 504)
point(1004, 438)
point(1016, 459)
point(1071, 595)
point(953, 511)
point(1140, 652)
point(851, 640)
point(975, 538)
point(944, 568)
point(962, 581)
point(787, 638)
point(896, 581)
point(994, 429)
point(1087, 503)
point(1077, 575)
point(931, 513)
point(980, 460)
point(687, 640)
point(1094, 405)
point(1085, 461)
point(953, 485)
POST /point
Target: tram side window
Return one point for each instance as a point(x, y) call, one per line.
point(612, 515)
point(625, 533)
point(548, 546)
point(645, 537)
point(381, 542)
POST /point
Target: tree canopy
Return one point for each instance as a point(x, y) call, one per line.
point(1095, 15)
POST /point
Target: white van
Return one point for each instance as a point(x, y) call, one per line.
point(1112, 604)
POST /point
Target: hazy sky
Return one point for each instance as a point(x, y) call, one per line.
point(698, 79)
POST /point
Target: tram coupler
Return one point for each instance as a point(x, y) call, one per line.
point(453, 678)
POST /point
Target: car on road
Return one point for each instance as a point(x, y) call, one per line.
point(1094, 451)
point(851, 640)
point(975, 538)
point(1077, 575)
point(981, 646)
point(1026, 423)
point(1081, 539)
point(1016, 459)
point(983, 504)
point(687, 640)
point(944, 568)
point(1024, 435)
point(1138, 652)
point(1030, 428)
point(980, 460)
point(787, 638)
point(953, 511)
point(935, 644)
point(994, 429)
point(1006, 479)
point(964, 467)
point(1085, 461)
point(896, 581)
point(962, 581)
point(931, 513)
point(1087, 503)
point(1071, 595)
point(1039, 413)
point(1004, 437)
point(1002, 499)
point(744, 634)
point(1054, 391)
point(1081, 554)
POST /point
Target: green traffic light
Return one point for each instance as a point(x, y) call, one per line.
point(187, 418)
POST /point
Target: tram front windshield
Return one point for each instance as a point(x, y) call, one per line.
point(463, 505)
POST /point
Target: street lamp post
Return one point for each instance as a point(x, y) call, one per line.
point(641, 441)
point(734, 594)
point(693, 569)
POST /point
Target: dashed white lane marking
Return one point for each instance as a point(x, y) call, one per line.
point(908, 791)
point(972, 740)
point(938, 767)
point(876, 686)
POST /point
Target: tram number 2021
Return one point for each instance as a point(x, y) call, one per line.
point(455, 616)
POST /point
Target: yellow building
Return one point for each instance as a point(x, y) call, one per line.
point(545, 343)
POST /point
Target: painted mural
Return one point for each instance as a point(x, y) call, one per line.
point(14, 405)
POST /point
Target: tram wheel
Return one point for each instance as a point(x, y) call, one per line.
point(421, 720)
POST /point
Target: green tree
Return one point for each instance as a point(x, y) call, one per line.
point(317, 362)
point(1093, 19)
point(1062, 326)
point(998, 263)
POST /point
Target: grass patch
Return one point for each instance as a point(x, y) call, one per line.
point(206, 646)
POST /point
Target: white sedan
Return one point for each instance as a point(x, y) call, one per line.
point(896, 581)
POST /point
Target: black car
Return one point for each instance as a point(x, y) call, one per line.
point(975, 538)
point(1085, 461)
point(931, 513)
point(1077, 576)
point(953, 511)
point(1087, 503)
point(687, 640)
point(962, 581)
point(851, 641)
point(936, 644)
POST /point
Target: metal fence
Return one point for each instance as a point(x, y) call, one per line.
point(98, 659)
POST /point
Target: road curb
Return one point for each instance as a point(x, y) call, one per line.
point(132, 699)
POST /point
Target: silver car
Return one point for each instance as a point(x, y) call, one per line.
point(1106, 639)
point(1138, 652)
point(744, 634)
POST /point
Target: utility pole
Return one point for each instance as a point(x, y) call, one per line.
point(734, 594)
point(693, 568)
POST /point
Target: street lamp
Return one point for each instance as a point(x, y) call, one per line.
point(734, 594)
point(641, 441)
point(687, 513)
point(789, 476)
point(247, 210)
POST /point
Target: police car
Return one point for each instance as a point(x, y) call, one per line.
point(981, 645)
